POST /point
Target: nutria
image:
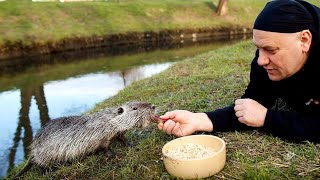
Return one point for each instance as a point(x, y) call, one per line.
point(69, 138)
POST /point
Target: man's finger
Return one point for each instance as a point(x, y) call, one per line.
point(241, 119)
point(237, 108)
point(168, 126)
point(238, 101)
point(168, 115)
point(160, 126)
point(177, 130)
point(239, 114)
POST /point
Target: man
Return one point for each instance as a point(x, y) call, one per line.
point(283, 96)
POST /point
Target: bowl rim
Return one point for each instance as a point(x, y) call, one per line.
point(194, 159)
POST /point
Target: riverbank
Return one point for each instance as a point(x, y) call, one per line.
point(30, 28)
point(202, 83)
point(125, 42)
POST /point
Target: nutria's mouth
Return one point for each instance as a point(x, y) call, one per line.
point(155, 118)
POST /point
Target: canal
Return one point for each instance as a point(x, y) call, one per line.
point(35, 90)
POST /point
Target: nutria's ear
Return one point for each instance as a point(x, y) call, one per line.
point(120, 110)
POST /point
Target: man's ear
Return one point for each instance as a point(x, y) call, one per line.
point(306, 39)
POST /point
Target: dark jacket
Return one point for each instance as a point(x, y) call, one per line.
point(292, 109)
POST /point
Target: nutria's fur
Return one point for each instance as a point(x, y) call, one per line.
point(68, 138)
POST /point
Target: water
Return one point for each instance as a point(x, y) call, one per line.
point(37, 89)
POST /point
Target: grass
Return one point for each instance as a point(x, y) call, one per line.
point(26, 22)
point(202, 83)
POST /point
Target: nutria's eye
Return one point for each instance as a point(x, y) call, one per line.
point(120, 110)
point(134, 108)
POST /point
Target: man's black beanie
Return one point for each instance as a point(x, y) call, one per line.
point(289, 16)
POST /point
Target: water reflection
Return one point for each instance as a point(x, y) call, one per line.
point(24, 124)
point(71, 96)
point(33, 94)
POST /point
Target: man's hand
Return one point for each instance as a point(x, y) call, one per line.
point(250, 112)
point(182, 123)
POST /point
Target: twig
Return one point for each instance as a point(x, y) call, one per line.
point(303, 173)
point(220, 177)
point(231, 176)
point(280, 165)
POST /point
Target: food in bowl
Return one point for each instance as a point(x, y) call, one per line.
point(190, 151)
point(194, 156)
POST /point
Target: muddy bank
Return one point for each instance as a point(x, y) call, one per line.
point(120, 42)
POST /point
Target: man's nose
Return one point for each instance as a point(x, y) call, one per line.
point(263, 59)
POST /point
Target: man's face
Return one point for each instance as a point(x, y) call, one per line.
point(279, 53)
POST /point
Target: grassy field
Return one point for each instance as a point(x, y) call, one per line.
point(27, 25)
point(202, 83)
point(24, 21)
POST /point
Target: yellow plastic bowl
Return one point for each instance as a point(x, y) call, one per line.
point(200, 167)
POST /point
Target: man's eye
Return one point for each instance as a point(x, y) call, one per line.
point(270, 50)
